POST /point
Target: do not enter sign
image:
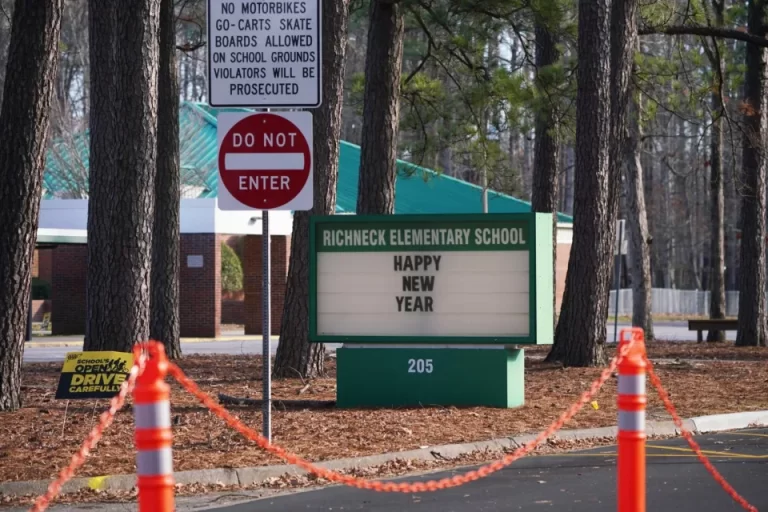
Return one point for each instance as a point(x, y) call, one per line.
point(265, 161)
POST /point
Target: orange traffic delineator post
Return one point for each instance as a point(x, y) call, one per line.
point(631, 404)
point(152, 417)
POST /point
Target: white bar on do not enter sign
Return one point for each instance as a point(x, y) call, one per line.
point(264, 161)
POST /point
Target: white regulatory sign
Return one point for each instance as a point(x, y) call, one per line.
point(265, 53)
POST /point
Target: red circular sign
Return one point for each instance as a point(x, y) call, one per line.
point(264, 161)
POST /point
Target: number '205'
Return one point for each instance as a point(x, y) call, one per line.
point(419, 366)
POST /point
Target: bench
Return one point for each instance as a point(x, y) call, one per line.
point(712, 324)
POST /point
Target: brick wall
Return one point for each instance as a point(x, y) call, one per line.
point(561, 269)
point(280, 255)
point(233, 312)
point(45, 261)
point(200, 287)
point(69, 264)
point(201, 309)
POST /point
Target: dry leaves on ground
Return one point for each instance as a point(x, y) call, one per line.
point(38, 440)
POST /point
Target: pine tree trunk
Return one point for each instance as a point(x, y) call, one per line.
point(33, 57)
point(102, 160)
point(445, 160)
point(295, 354)
point(525, 167)
point(5, 35)
point(164, 302)
point(661, 220)
point(570, 170)
point(121, 205)
point(717, 185)
point(752, 271)
point(717, 212)
point(378, 151)
point(732, 223)
point(731, 157)
point(545, 192)
point(581, 327)
point(637, 221)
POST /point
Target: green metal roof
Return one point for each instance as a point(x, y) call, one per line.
point(417, 190)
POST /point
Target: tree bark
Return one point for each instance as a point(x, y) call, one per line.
point(581, 328)
point(295, 354)
point(164, 302)
point(732, 218)
point(717, 212)
point(545, 192)
point(121, 205)
point(623, 44)
point(378, 151)
point(102, 159)
point(637, 222)
point(717, 182)
point(33, 57)
point(570, 170)
point(5, 36)
point(752, 272)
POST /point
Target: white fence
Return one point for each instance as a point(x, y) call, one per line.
point(667, 301)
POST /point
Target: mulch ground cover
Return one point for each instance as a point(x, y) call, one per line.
point(38, 440)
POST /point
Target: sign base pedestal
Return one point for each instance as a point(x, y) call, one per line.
point(412, 377)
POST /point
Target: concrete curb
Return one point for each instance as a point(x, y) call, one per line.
point(253, 475)
point(720, 422)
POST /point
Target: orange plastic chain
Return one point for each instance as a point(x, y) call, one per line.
point(692, 443)
point(361, 483)
point(105, 420)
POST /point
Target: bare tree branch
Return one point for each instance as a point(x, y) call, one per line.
point(420, 66)
point(190, 47)
point(700, 30)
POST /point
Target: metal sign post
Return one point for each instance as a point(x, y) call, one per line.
point(266, 329)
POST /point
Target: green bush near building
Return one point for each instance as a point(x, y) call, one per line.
point(231, 270)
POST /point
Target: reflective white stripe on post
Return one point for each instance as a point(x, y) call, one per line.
point(154, 462)
point(157, 415)
point(632, 421)
point(632, 384)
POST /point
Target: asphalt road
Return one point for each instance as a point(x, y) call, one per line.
point(39, 350)
point(582, 481)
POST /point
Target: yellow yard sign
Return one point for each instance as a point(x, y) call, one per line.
point(93, 374)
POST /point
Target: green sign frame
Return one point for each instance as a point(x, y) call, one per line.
point(539, 239)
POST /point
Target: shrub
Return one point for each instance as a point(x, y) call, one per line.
point(231, 270)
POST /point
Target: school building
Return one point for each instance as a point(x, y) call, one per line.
point(61, 254)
